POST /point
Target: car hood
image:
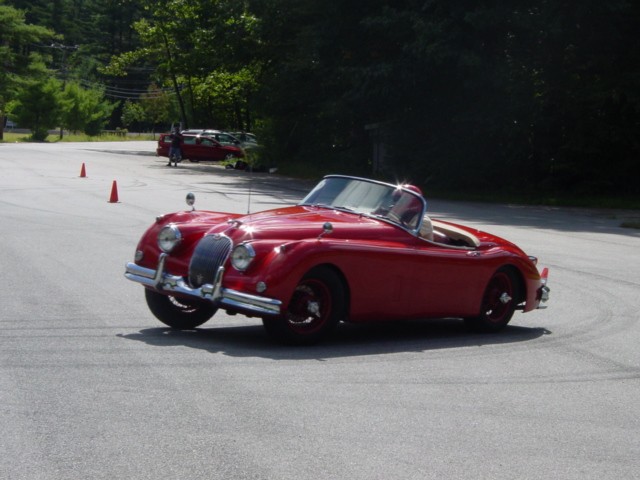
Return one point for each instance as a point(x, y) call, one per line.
point(300, 222)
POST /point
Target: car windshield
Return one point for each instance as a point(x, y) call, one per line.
point(367, 197)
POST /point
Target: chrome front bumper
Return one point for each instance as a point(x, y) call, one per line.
point(544, 296)
point(225, 298)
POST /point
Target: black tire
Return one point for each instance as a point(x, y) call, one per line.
point(179, 313)
point(499, 301)
point(316, 306)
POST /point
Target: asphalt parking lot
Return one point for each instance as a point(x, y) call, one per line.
point(92, 386)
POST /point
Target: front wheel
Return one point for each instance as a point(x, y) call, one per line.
point(316, 306)
point(179, 313)
point(498, 303)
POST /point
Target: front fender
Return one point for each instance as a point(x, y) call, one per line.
point(280, 266)
point(287, 262)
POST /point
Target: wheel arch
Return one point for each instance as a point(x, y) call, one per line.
point(343, 280)
point(521, 285)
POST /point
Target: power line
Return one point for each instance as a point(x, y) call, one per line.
point(125, 93)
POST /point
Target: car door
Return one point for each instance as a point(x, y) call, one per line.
point(447, 280)
point(211, 149)
point(189, 148)
point(226, 139)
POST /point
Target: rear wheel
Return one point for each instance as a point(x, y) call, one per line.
point(179, 313)
point(316, 307)
point(498, 303)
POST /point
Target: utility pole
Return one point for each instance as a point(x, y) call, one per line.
point(63, 68)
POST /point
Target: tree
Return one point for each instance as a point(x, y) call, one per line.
point(319, 84)
point(132, 114)
point(156, 105)
point(37, 106)
point(188, 41)
point(84, 110)
point(16, 38)
point(224, 98)
point(523, 95)
point(519, 96)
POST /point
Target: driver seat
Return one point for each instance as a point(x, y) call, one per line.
point(426, 229)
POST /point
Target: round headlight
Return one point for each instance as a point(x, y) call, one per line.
point(242, 256)
point(168, 238)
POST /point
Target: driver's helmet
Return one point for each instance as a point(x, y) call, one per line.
point(413, 188)
point(406, 208)
point(397, 193)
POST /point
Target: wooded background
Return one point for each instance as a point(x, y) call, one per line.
point(527, 97)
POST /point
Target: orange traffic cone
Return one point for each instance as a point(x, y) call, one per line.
point(83, 172)
point(114, 193)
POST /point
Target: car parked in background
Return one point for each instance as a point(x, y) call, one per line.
point(222, 137)
point(247, 139)
point(196, 148)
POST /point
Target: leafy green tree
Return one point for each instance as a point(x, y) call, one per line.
point(157, 106)
point(584, 69)
point(188, 41)
point(37, 106)
point(84, 110)
point(314, 88)
point(101, 27)
point(224, 98)
point(133, 114)
point(16, 38)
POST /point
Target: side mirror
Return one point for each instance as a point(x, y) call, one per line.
point(191, 199)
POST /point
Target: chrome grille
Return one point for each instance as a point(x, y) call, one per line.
point(210, 253)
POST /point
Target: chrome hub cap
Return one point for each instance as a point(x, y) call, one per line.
point(313, 308)
point(505, 298)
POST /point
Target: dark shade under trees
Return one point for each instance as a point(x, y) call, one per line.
point(517, 97)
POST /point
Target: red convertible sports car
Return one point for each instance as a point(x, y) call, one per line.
point(352, 250)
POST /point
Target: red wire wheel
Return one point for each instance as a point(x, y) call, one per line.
point(316, 307)
point(499, 302)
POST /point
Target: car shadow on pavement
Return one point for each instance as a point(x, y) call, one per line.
point(347, 340)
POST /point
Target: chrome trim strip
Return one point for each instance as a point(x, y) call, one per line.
point(254, 303)
point(225, 297)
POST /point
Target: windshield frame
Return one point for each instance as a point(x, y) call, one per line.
point(369, 198)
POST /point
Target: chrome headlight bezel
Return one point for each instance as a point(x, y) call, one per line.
point(169, 237)
point(242, 256)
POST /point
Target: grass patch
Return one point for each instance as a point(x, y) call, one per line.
point(13, 137)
